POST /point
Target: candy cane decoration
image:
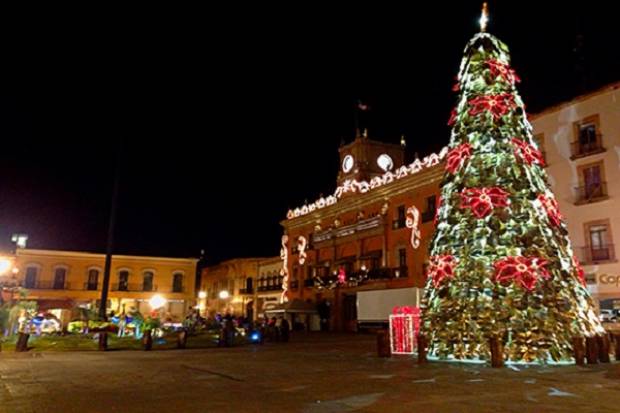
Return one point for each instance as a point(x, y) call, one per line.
point(284, 270)
point(413, 222)
point(301, 246)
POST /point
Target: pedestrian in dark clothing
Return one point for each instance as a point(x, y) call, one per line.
point(284, 330)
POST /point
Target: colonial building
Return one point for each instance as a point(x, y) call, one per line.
point(67, 279)
point(373, 232)
point(268, 286)
point(580, 140)
point(230, 287)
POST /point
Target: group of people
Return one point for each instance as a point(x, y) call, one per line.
point(275, 329)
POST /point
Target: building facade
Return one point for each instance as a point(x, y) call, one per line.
point(374, 230)
point(268, 285)
point(580, 140)
point(230, 287)
point(67, 279)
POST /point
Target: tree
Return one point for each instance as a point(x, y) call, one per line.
point(501, 263)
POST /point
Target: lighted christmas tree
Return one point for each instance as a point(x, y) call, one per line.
point(501, 263)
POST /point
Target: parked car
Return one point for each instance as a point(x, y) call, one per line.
point(608, 316)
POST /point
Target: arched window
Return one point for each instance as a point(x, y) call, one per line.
point(147, 282)
point(93, 279)
point(123, 280)
point(177, 283)
point(60, 275)
point(31, 277)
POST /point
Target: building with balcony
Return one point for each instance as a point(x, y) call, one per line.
point(580, 139)
point(67, 279)
point(361, 233)
point(232, 286)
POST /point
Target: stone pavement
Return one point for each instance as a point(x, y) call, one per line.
point(312, 374)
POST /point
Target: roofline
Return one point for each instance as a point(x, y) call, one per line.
point(579, 98)
point(80, 254)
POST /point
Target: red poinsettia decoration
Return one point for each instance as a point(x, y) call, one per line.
point(482, 201)
point(552, 208)
point(580, 272)
point(497, 105)
point(502, 70)
point(526, 152)
point(440, 268)
point(457, 157)
point(452, 119)
point(523, 271)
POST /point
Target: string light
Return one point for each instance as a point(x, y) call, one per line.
point(284, 270)
point(355, 186)
point(413, 223)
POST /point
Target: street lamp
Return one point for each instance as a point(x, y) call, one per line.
point(157, 301)
point(202, 295)
point(224, 294)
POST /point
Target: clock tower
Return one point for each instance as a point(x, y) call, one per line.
point(364, 158)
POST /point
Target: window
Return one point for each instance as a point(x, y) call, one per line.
point(400, 218)
point(59, 278)
point(93, 279)
point(177, 283)
point(123, 280)
point(593, 186)
point(588, 139)
point(402, 257)
point(431, 207)
point(539, 139)
point(249, 285)
point(599, 243)
point(31, 277)
point(147, 282)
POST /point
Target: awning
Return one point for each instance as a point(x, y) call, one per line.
point(295, 306)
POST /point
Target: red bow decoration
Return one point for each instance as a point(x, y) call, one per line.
point(482, 201)
point(552, 209)
point(526, 152)
point(523, 271)
point(501, 69)
point(580, 273)
point(497, 105)
point(457, 157)
point(440, 268)
point(452, 119)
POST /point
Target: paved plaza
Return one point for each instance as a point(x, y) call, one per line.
point(311, 374)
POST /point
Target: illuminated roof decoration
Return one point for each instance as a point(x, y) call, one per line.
point(353, 186)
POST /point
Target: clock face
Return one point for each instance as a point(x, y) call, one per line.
point(347, 163)
point(385, 162)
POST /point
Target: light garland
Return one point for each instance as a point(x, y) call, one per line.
point(284, 270)
point(302, 243)
point(413, 223)
point(355, 186)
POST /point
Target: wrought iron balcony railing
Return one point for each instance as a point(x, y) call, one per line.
point(591, 193)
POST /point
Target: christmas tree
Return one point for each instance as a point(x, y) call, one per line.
point(501, 263)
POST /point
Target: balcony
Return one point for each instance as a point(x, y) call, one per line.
point(246, 291)
point(360, 226)
point(591, 193)
point(387, 273)
point(594, 255)
point(275, 287)
point(132, 287)
point(582, 149)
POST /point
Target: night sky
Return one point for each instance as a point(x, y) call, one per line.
point(232, 117)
